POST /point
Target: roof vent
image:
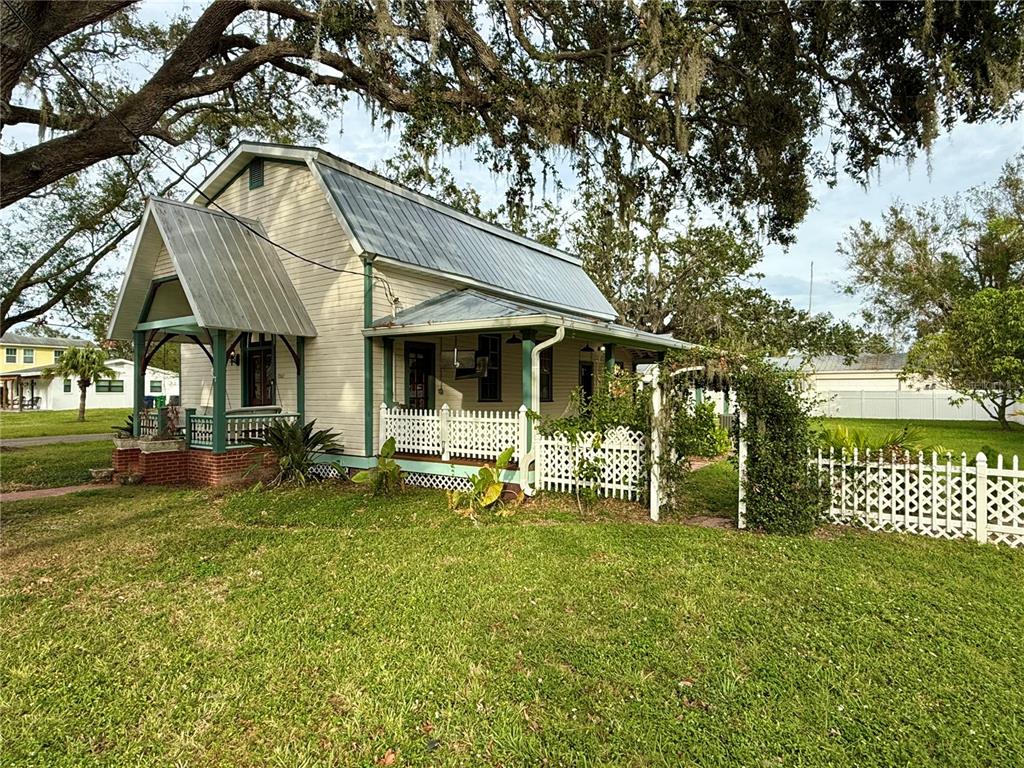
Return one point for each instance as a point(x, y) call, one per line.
point(256, 173)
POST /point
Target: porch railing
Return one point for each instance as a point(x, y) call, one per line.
point(149, 423)
point(454, 434)
point(239, 428)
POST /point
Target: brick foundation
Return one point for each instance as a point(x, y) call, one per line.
point(192, 466)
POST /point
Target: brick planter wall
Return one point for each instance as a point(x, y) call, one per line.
point(191, 466)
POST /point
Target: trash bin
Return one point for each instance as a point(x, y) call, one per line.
point(161, 401)
point(147, 401)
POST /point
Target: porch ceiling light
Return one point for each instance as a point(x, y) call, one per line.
point(514, 339)
point(587, 348)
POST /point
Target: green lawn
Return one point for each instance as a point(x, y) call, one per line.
point(42, 423)
point(51, 466)
point(957, 436)
point(316, 627)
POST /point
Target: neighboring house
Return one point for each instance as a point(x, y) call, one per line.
point(59, 394)
point(869, 386)
point(27, 353)
point(411, 305)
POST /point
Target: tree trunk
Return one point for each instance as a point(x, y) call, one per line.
point(83, 384)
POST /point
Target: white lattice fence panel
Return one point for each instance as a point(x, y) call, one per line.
point(442, 482)
point(938, 497)
point(619, 453)
point(1006, 503)
point(481, 434)
point(415, 430)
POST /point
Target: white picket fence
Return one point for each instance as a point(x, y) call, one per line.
point(454, 434)
point(619, 455)
point(941, 498)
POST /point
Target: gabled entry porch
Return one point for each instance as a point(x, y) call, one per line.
point(216, 283)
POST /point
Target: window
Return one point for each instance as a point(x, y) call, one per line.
point(28, 355)
point(156, 386)
point(256, 173)
point(489, 346)
point(109, 385)
point(67, 385)
point(57, 354)
point(11, 354)
point(547, 375)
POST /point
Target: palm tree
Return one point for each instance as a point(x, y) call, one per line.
point(85, 364)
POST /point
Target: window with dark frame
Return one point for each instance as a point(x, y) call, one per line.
point(256, 173)
point(547, 375)
point(489, 345)
point(57, 354)
point(67, 385)
point(156, 386)
point(110, 385)
point(11, 354)
point(28, 355)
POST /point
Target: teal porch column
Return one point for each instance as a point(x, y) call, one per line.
point(368, 447)
point(389, 371)
point(220, 390)
point(529, 342)
point(243, 367)
point(138, 379)
point(609, 359)
point(300, 378)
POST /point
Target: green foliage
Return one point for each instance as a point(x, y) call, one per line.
point(894, 445)
point(782, 494)
point(125, 429)
point(486, 490)
point(385, 479)
point(618, 402)
point(914, 270)
point(980, 352)
point(295, 446)
point(692, 430)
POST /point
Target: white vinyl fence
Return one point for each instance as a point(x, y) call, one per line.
point(454, 434)
point(618, 457)
point(928, 405)
point(941, 497)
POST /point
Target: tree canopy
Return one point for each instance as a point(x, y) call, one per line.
point(913, 270)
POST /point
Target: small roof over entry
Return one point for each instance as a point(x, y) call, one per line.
point(471, 310)
point(230, 274)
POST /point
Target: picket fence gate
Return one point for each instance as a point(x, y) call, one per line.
point(941, 498)
point(618, 455)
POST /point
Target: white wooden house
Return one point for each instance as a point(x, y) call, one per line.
point(312, 288)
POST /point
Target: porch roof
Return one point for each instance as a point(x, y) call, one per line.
point(471, 310)
point(230, 273)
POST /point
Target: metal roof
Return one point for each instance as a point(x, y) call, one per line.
point(837, 363)
point(42, 341)
point(232, 277)
point(469, 309)
point(395, 223)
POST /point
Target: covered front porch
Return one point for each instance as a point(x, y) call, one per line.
point(463, 374)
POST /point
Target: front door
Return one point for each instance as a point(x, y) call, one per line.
point(419, 374)
point(587, 380)
point(259, 371)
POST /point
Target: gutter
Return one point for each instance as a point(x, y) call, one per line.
point(530, 457)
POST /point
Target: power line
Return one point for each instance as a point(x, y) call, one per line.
point(71, 76)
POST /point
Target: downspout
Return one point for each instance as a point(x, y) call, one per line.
point(535, 404)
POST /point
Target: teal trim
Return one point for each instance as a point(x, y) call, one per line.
point(698, 396)
point(529, 342)
point(220, 390)
point(188, 321)
point(243, 368)
point(300, 378)
point(368, 447)
point(139, 379)
point(389, 371)
point(609, 358)
point(347, 461)
point(154, 284)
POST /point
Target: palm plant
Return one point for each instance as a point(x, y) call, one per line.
point(295, 446)
point(86, 365)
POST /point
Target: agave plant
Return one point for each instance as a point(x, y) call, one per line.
point(295, 446)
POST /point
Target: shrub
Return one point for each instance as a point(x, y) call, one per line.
point(487, 488)
point(295, 447)
point(783, 493)
point(386, 478)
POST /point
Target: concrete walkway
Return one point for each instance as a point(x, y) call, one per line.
point(24, 442)
point(42, 493)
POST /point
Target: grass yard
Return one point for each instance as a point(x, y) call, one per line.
point(51, 466)
point(957, 436)
point(43, 423)
point(317, 627)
